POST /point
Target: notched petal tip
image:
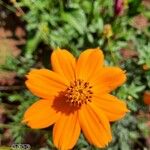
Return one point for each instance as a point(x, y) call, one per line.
point(125, 75)
point(121, 76)
point(98, 48)
point(27, 77)
point(127, 110)
point(120, 69)
point(94, 50)
point(25, 122)
point(32, 72)
point(58, 50)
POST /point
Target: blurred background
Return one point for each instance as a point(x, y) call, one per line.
point(31, 29)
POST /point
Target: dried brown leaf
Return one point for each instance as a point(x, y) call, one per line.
point(128, 53)
point(140, 22)
point(20, 33)
point(9, 45)
point(7, 78)
point(2, 112)
point(146, 3)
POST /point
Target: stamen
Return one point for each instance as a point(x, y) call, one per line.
point(79, 92)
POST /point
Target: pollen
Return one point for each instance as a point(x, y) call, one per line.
point(79, 92)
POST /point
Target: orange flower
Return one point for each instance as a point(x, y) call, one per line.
point(147, 97)
point(74, 97)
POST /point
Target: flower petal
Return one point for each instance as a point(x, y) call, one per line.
point(63, 63)
point(66, 131)
point(44, 83)
point(109, 78)
point(89, 61)
point(95, 126)
point(112, 107)
point(146, 97)
point(41, 114)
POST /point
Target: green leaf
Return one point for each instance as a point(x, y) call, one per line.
point(76, 19)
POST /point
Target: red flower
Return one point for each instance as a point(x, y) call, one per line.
point(118, 7)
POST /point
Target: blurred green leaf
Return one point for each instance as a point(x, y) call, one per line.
point(76, 19)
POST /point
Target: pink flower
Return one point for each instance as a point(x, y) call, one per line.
point(119, 6)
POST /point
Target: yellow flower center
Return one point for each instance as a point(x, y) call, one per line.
point(78, 92)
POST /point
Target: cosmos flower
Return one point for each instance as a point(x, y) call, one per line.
point(146, 97)
point(75, 97)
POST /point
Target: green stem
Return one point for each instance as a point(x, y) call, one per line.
point(111, 52)
point(10, 8)
point(4, 125)
point(61, 6)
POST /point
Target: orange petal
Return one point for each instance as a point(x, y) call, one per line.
point(109, 78)
point(95, 126)
point(89, 61)
point(112, 107)
point(146, 97)
point(63, 63)
point(44, 83)
point(41, 114)
point(66, 131)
